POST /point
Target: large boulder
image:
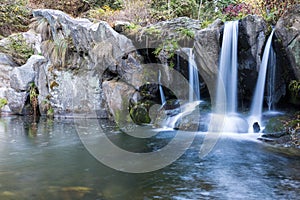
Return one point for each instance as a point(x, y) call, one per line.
point(207, 48)
point(287, 30)
point(96, 47)
point(20, 77)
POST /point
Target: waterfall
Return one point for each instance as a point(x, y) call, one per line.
point(193, 78)
point(161, 91)
point(257, 102)
point(271, 81)
point(225, 117)
point(228, 66)
point(194, 93)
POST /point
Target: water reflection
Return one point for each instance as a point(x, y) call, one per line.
point(52, 163)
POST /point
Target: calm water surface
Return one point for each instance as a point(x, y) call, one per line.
point(48, 161)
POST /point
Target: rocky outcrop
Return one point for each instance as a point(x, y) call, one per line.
point(89, 69)
point(287, 31)
point(252, 37)
point(93, 48)
point(207, 48)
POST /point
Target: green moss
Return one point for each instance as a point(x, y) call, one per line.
point(140, 115)
point(274, 125)
point(18, 48)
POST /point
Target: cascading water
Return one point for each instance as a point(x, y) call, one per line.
point(257, 102)
point(161, 91)
point(227, 78)
point(193, 78)
point(271, 79)
point(225, 117)
point(194, 92)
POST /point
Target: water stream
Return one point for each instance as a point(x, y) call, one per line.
point(228, 66)
point(51, 163)
point(271, 79)
point(193, 78)
point(257, 102)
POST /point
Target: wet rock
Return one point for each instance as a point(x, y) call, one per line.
point(256, 127)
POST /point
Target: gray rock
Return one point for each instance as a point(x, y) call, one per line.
point(16, 100)
point(287, 31)
point(252, 37)
point(97, 48)
point(117, 95)
point(207, 48)
point(20, 77)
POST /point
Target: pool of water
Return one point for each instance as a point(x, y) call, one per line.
point(47, 160)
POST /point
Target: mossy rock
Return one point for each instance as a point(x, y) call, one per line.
point(274, 125)
point(140, 115)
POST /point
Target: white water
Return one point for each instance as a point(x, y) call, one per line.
point(161, 91)
point(257, 101)
point(225, 116)
point(228, 66)
point(193, 78)
point(186, 109)
point(271, 79)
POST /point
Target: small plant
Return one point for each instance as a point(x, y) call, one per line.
point(167, 49)
point(153, 31)
point(3, 102)
point(33, 97)
point(185, 32)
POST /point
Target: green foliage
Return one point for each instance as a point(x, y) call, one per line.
point(168, 48)
point(3, 102)
point(163, 10)
point(14, 16)
point(185, 32)
point(153, 31)
point(18, 48)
